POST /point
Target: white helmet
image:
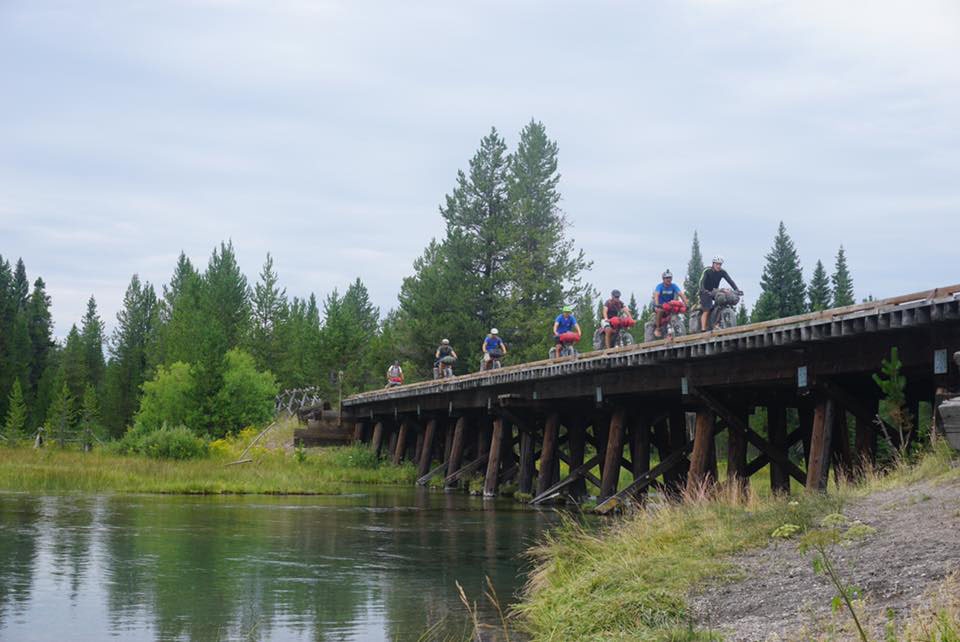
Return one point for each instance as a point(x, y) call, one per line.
point(718, 259)
point(667, 275)
point(445, 342)
point(494, 331)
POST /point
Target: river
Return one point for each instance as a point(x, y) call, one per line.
point(372, 565)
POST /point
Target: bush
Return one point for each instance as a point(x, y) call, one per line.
point(356, 456)
point(174, 443)
point(247, 395)
point(169, 398)
point(166, 443)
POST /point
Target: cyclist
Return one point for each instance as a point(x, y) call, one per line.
point(611, 310)
point(709, 282)
point(395, 374)
point(444, 350)
point(665, 292)
point(493, 348)
point(565, 322)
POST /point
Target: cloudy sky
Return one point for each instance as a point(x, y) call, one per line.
point(328, 132)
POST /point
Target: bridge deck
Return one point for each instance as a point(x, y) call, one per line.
point(914, 310)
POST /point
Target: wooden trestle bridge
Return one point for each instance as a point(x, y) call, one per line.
point(809, 372)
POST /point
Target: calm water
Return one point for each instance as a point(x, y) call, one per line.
point(367, 566)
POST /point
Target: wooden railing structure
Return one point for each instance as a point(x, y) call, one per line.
point(518, 423)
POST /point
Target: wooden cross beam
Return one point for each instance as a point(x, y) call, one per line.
point(641, 482)
point(590, 477)
point(762, 459)
point(472, 467)
point(575, 474)
point(733, 421)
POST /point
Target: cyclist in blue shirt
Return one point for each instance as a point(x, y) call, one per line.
point(565, 322)
point(663, 293)
point(493, 348)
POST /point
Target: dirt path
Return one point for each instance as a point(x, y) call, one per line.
point(916, 545)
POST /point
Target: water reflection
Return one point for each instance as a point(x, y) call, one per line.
point(358, 567)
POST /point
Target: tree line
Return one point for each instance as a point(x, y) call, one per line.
point(178, 354)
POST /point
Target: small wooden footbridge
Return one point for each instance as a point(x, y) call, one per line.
point(655, 409)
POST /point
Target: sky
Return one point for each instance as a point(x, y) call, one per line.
point(327, 133)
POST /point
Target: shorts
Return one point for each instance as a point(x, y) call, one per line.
point(706, 300)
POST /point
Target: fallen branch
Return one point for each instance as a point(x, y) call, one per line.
point(240, 459)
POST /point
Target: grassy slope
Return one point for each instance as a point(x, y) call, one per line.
point(630, 580)
point(53, 470)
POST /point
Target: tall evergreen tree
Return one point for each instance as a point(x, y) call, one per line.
point(21, 286)
point(842, 281)
point(479, 231)
point(742, 317)
point(543, 266)
point(60, 416)
point(40, 329)
point(92, 339)
point(184, 326)
point(8, 312)
point(90, 427)
point(632, 306)
point(227, 298)
point(270, 307)
point(73, 362)
point(783, 292)
point(128, 350)
point(15, 425)
point(819, 292)
point(695, 268)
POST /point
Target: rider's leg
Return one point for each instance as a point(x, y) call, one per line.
point(607, 334)
point(703, 320)
point(657, 320)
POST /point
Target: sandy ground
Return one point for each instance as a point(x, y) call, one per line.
point(916, 544)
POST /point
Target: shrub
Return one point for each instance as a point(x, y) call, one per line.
point(169, 398)
point(356, 456)
point(174, 443)
point(247, 395)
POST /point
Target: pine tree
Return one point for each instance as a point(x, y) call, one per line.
point(8, 311)
point(90, 427)
point(632, 306)
point(783, 292)
point(842, 282)
point(479, 231)
point(819, 292)
point(92, 339)
point(543, 267)
point(742, 317)
point(269, 309)
point(226, 298)
point(73, 362)
point(60, 417)
point(695, 268)
point(40, 329)
point(21, 286)
point(183, 319)
point(128, 350)
point(15, 426)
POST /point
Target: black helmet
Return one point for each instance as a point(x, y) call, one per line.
point(615, 294)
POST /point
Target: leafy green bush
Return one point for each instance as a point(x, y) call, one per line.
point(174, 443)
point(166, 443)
point(247, 395)
point(169, 399)
point(356, 456)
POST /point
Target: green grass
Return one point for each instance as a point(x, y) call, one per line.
point(328, 471)
point(630, 579)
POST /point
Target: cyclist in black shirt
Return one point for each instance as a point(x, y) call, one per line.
point(709, 282)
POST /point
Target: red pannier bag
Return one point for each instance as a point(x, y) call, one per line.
point(568, 337)
point(627, 321)
point(615, 322)
point(675, 307)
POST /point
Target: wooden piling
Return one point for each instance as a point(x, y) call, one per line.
point(737, 452)
point(577, 431)
point(401, 443)
point(497, 443)
point(865, 437)
point(456, 448)
point(777, 431)
point(423, 465)
point(640, 449)
point(614, 454)
point(818, 467)
point(841, 456)
point(377, 440)
point(527, 463)
point(700, 468)
point(357, 432)
point(548, 453)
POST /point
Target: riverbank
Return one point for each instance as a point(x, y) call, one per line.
point(637, 578)
point(326, 471)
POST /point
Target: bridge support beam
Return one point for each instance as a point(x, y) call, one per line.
point(821, 439)
point(841, 457)
point(527, 462)
point(456, 448)
point(777, 431)
point(701, 470)
point(401, 446)
point(377, 440)
point(613, 456)
point(497, 446)
point(737, 452)
point(639, 435)
point(548, 453)
point(577, 437)
point(426, 449)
